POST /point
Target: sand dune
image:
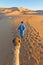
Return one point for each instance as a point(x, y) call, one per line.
point(7, 11)
point(40, 12)
point(17, 11)
point(29, 12)
point(14, 9)
point(20, 11)
point(13, 13)
point(23, 9)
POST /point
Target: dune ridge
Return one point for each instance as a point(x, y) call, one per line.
point(17, 11)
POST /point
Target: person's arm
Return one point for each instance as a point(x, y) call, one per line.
point(24, 27)
point(19, 28)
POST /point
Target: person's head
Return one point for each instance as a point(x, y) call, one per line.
point(22, 22)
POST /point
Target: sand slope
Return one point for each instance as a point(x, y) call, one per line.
point(8, 30)
point(30, 47)
point(16, 11)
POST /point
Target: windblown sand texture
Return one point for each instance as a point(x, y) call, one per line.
point(31, 50)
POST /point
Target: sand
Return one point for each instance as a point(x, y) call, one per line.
point(8, 30)
point(5, 39)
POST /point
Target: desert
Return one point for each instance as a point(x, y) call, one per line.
point(31, 50)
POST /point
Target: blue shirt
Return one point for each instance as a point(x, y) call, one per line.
point(21, 28)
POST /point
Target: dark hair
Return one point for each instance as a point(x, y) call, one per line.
point(21, 21)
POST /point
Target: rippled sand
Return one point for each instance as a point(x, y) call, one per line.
point(8, 30)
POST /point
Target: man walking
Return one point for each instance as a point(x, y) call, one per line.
point(21, 29)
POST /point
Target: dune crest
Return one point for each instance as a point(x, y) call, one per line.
point(13, 13)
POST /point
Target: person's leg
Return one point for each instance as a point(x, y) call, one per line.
point(21, 34)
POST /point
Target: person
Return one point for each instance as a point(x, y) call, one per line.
point(21, 29)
